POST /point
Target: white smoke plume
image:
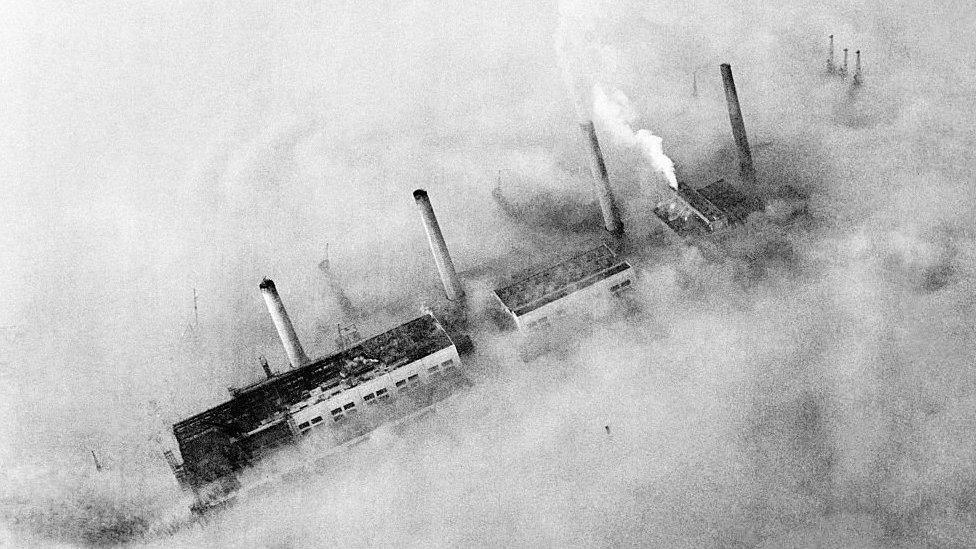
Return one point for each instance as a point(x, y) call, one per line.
point(613, 110)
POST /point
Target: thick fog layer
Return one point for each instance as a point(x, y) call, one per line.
point(814, 388)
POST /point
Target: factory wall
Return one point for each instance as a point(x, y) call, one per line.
point(355, 400)
point(587, 301)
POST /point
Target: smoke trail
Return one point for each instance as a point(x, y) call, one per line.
point(615, 113)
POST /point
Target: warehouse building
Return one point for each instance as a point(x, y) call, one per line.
point(690, 212)
point(568, 287)
point(337, 398)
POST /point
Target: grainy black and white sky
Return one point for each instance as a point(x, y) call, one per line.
point(815, 390)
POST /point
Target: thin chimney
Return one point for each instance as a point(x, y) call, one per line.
point(843, 69)
point(830, 57)
point(857, 68)
point(438, 247)
point(611, 214)
point(746, 169)
point(267, 368)
point(171, 460)
point(289, 339)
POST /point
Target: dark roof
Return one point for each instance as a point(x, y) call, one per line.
point(259, 403)
point(683, 222)
point(736, 205)
point(703, 207)
point(698, 212)
point(559, 280)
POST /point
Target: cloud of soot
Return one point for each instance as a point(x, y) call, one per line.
point(812, 390)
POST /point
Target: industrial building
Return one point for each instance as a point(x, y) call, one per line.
point(699, 212)
point(693, 213)
point(338, 397)
point(568, 287)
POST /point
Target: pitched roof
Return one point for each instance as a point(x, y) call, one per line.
point(554, 282)
point(261, 402)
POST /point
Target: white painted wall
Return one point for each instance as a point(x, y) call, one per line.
point(582, 301)
point(323, 408)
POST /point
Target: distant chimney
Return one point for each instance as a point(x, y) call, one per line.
point(611, 215)
point(830, 57)
point(843, 69)
point(267, 368)
point(857, 68)
point(171, 460)
point(449, 277)
point(746, 169)
point(289, 340)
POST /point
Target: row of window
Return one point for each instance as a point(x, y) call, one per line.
point(617, 289)
point(540, 323)
point(543, 322)
point(381, 395)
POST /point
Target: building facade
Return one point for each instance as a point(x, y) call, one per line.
point(690, 212)
point(571, 287)
point(336, 398)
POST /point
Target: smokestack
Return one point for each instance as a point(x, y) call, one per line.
point(171, 460)
point(267, 368)
point(746, 170)
point(857, 68)
point(289, 340)
point(830, 56)
point(843, 69)
point(449, 277)
point(611, 215)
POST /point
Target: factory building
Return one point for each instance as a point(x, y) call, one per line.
point(335, 399)
point(699, 212)
point(694, 213)
point(568, 287)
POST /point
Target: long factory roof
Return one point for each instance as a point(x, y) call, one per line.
point(718, 201)
point(254, 405)
point(559, 280)
point(727, 198)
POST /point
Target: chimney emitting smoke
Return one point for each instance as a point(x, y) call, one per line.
point(746, 169)
point(286, 332)
point(601, 180)
point(445, 267)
